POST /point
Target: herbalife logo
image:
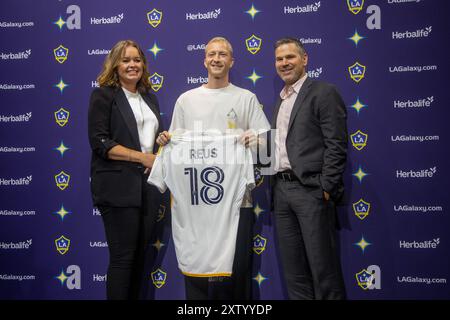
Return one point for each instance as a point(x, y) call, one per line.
point(430, 244)
point(204, 16)
point(304, 9)
point(421, 103)
point(424, 173)
point(16, 56)
point(16, 182)
point(421, 33)
point(19, 118)
point(315, 73)
point(24, 245)
point(193, 80)
point(111, 20)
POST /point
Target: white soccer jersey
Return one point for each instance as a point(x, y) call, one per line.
point(207, 176)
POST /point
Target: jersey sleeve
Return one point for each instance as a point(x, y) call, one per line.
point(157, 174)
point(257, 119)
point(177, 116)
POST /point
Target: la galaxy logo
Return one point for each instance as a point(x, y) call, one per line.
point(361, 209)
point(359, 140)
point(370, 278)
point(355, 6)
point(259, 178)
point(62, 245)
point(156, 81)
point(357, 71)
point(154, 17)
point(61, 53)
point(231, 119)
point(62, 180)
point(253, 44)
point(161, 213)
point(62, 117)
point(159, 278)
point(259, 244)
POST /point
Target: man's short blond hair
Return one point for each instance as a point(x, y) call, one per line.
point(221, 39)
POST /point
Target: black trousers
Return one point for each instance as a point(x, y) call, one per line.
point(306, 234)
point(239, 285)
point(128, 232)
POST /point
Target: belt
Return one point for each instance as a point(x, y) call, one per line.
point(287, 175)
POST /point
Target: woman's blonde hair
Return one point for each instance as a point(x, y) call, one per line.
point(109, 76)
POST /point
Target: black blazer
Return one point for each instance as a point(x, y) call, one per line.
point(316, 142)
point(111, 122)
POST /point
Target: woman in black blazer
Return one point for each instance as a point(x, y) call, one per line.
point(123, 123)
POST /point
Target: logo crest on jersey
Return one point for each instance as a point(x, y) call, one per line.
point(232, 119)
point(355, 6)
point(361, 209)
point(359, 140)
point(259, 244)
point(62, 244)
point(159, 278)
point(154, 17)
point(259, 178)
point(357, 71)
point(253, 44)
point(62, 180)
point(161, 213)
point(156, 81)
point(62, 117)
point(61, 53)
point(364, 279)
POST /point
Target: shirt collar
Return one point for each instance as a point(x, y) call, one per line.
point(130, 94)
point(288, 90)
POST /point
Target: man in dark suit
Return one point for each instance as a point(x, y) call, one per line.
point(310, 156)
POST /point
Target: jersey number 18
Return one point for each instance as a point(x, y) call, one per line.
point(208, 184)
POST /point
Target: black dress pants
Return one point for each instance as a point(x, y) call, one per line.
point(306, 233)
point(239, 285)
point(128, 233)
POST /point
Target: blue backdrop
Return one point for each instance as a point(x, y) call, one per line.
point(387, 57)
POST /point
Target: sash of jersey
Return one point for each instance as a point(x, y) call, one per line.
point(207, 176)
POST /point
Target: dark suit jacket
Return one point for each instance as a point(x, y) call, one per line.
point(111, 122)
point(316, 142)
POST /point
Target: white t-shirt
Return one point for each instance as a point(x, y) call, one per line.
point(224, 109)
point(207, 176)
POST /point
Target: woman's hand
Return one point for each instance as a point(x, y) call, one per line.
point(163, 138)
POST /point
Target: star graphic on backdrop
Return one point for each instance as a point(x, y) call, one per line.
point(360, 174)
point(62, 148)
point(60, 23)
point(158, 244)
point(155, 49)
point(362, 244)
point(61, 85)
point(356, 38)
point(259, 278)
point(252, 12)
point(254, 77)
point(62, 277)
point(62, 212)
point(258, 210)
point(358, 105)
